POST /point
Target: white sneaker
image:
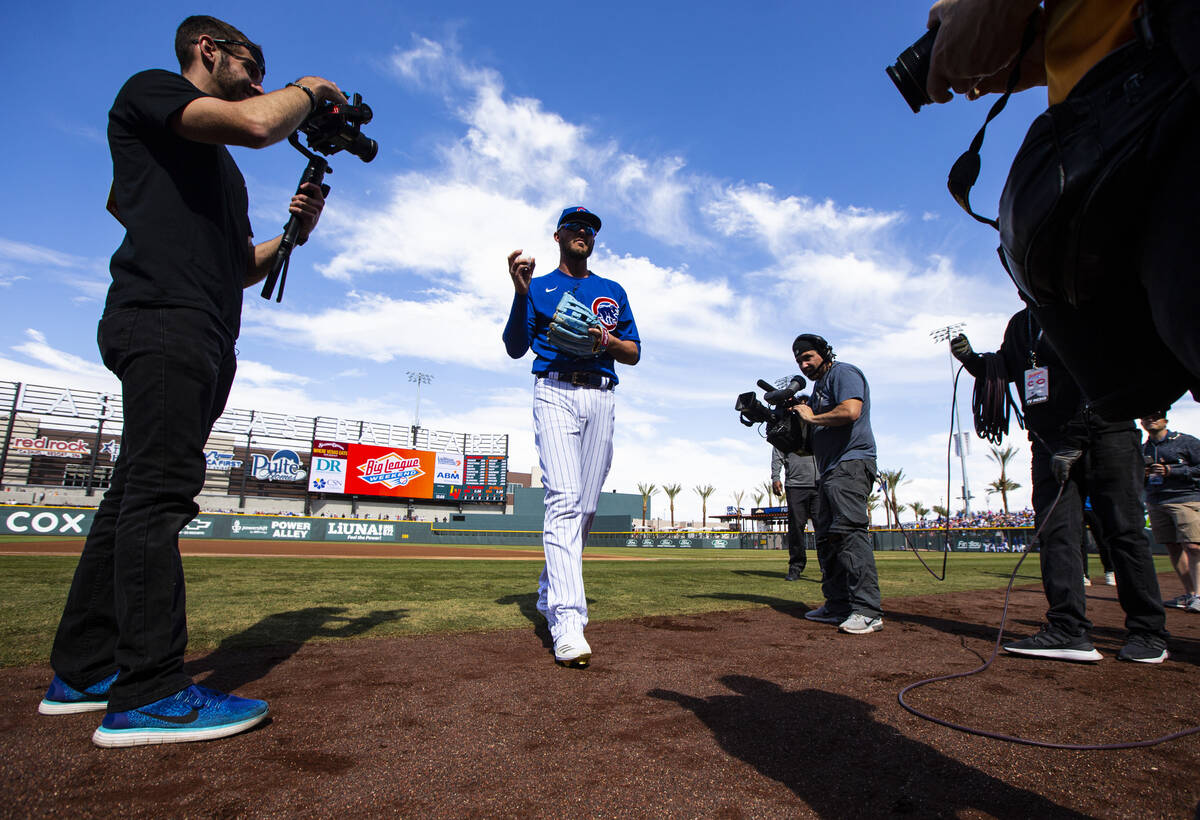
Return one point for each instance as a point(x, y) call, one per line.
point(1087, 582)
point(1193, 604)
point(859, 624)
point(1110, 579)
point(572, 651)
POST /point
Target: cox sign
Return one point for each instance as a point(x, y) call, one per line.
point(46, 522)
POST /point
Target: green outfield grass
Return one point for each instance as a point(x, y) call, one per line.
point(264, 601)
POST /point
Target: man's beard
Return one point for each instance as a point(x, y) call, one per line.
point(232, 87)
point(571, 253)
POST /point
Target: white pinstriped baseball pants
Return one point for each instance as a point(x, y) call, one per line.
point(572, 428)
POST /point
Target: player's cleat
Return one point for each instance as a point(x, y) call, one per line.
point(1144, 649)
point(859, 624)
point(573, 652)
point(822, 615)
point(195, 713)
point(1056, 645)
point(63, 699)
point(1193, 604)
point(1087, 582)
point(1110, 578)
point(1179, 602)
point(792, 576)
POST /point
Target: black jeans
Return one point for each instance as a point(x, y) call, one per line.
point(1111, 473)
point(126, 608)
point(802, 502)
point(849, 580)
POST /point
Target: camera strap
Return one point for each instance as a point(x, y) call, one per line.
point(965, 171)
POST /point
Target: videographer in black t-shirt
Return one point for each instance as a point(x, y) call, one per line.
point(170, 322)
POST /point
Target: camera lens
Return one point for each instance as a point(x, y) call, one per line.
point(911, 70)
point(364, 148)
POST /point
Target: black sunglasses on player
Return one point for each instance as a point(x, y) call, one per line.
point(578, 227)
point(255, 54)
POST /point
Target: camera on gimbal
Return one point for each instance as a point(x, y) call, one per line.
point(338, 126)
point(785, 429)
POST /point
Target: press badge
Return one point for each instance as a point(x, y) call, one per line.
point(1037, 385)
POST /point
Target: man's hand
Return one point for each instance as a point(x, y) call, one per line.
point(803, 411)
point(777, 487)
point(1062, 462)
point(960, 346)
point(1157, 469)
point(520, 268)
point(323, 89)
point(976, 46)
point(307, 205)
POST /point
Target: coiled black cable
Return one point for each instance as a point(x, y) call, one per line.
point(991, 401)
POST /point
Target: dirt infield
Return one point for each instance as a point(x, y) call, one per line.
point(755, 713)
point(306, 549)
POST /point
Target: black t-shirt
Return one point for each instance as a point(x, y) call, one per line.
point(183, 205)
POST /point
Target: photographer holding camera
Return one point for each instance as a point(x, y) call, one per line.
point(1172, 471)
point(844, 448)
point(1077, 453)
point(1097, 217)
point(168, 331)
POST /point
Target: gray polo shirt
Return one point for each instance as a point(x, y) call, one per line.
point(832, 445)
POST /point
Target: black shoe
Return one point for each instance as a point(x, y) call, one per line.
point(1144, 649)
point(1057, 645)
point(792, 576)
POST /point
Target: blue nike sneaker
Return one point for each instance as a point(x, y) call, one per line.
point(64, 699)
point(195, 713)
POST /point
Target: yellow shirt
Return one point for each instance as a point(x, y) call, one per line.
point(1079, 33)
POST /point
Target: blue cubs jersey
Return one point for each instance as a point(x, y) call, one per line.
point(529, 321)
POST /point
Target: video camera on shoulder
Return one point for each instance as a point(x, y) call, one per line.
point(785, 429)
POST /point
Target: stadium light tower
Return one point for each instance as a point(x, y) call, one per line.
point(420, 379)
point(944, 334)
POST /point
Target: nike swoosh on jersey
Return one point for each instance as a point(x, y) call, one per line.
point(190, 717)
point(548, 290)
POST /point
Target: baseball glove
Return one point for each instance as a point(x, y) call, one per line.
point(569, 329)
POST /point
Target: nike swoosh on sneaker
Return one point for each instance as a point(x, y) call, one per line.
point(190, 717)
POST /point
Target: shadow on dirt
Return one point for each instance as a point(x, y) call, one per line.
point(835, 756)
point(794, 608)
point(526, 603)
point(254, 652)
point(780, 575)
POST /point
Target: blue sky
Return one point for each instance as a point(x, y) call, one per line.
point(757, 173)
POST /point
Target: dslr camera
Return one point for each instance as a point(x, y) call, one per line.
point(338, 126)
point(785, 429)
point(911, 70)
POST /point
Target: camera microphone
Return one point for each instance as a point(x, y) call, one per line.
point(775, 396)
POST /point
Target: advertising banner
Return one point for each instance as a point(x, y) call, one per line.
point(45, 521)
point(359, 531)
point(46, 446)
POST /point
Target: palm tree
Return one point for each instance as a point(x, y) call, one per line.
point(758, 498)
point(672, 490)
point(919, 510)
point(899, 509)
point(647, 491)
point(944, 512)
point(737, 499)
point(769, 491)
point(891, 480)
point(704, 491)
point(872, 504)
point(1003, 485)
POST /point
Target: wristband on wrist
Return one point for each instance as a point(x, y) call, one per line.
point(312, 98)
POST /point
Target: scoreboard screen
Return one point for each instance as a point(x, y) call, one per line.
point(485, 478)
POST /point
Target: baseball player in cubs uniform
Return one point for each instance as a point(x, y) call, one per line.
point(576, 341)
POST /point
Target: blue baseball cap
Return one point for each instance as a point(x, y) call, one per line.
point(578, 213)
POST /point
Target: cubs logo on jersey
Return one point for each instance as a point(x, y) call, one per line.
point(607, 311)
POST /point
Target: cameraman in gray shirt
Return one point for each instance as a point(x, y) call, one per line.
point(800, 485)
